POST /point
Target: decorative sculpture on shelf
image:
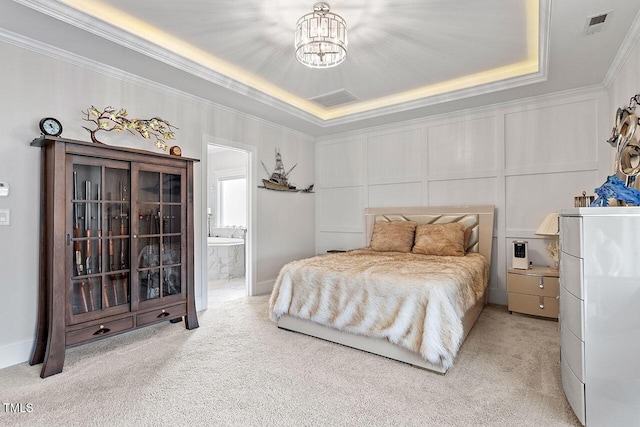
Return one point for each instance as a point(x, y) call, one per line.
point(111, 119)
point(279, 178)
point(614, 188)
point(624, 185)
point(625, 138)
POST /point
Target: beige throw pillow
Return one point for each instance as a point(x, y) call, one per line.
point(393, 236)
point(440, 239)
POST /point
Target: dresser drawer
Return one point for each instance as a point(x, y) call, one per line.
point(571, 274)
point(572, 352)
point(571, 313)
point(101, 330)
point(533, 304)
point(574, 390)
point(571, 235)
point(166, 313)
point(532, 284)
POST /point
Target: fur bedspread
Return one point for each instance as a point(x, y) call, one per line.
point(414, 301)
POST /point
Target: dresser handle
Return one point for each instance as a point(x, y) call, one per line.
point(541, 306)
point(163, 314)
point(541, 303)
point(541, 283)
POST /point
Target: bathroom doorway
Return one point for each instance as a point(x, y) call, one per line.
point(228, 222)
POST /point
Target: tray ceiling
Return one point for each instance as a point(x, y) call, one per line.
point(404, 55)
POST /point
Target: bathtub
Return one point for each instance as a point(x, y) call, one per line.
point(224, 241)
point(225, 258)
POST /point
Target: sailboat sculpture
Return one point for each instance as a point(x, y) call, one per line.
point(279, 177)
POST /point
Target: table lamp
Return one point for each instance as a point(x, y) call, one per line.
point(550, 227)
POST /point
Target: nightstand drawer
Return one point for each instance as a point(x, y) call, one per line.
point(533, 304)
point(101, 330)
point(532, 284)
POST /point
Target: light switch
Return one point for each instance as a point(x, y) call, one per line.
point(5, 217)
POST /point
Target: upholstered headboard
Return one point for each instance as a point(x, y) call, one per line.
point(479, 218)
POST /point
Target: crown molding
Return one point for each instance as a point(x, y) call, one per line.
point(506, 107)
point(104, 30)
point(118, 74)
point(130, 41)
point(629, 42)
point(540, 76)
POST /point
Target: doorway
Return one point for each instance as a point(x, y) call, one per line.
point(229, 232)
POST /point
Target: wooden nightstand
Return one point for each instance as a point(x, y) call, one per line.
point(534, 291)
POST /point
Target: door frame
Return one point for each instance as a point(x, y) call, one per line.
point(252, 218)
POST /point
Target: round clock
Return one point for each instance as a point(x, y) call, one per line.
point(50, 126)
point(175, 151)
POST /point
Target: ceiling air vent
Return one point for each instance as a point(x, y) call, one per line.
point(332, 99)
point(597, 23)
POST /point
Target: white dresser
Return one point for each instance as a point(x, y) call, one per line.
point(600, 314)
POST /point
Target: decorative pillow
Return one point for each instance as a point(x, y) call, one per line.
point(394, 236)
point(440, 239)
point(467, 236)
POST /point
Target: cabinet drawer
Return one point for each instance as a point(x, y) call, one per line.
point(572, 352)
point(571, 235)
point(571, 274)
point(533, 304)
point(571, 313)
point(101, 330)
point(574, 390)
point(166, 313)
point(532, 284)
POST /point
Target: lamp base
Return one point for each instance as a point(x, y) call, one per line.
point(553, 250)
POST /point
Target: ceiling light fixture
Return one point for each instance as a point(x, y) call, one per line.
point(321, 38)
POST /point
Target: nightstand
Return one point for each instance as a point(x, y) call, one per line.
point(534, 291)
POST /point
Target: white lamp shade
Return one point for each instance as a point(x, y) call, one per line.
point(549, 226)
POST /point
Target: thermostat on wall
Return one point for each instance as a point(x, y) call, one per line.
point(4, 189)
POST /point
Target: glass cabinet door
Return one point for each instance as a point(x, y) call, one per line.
point(99, 242)
point(161, 222)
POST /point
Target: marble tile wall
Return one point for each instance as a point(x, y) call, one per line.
point(225, 262)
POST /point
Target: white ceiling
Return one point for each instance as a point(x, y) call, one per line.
point(406, 59)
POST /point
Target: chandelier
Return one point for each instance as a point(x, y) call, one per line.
point(321, 38)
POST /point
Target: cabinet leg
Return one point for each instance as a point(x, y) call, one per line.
point(41, 338)
point(54, 359)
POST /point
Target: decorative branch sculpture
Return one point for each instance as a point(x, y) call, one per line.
point(111, 119)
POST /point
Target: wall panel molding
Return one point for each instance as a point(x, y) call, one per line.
point(523, 194)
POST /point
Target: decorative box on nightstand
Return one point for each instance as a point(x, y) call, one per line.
point(534, 291)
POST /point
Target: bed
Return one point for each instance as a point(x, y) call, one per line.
point(412, 296)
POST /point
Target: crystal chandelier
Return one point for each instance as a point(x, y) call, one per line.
point(321, 38)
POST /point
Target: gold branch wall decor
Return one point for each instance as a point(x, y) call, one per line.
point(111, 119)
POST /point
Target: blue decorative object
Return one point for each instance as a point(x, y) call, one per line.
point(614, 188)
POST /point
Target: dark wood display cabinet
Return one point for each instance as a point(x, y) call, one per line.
point(117, 246)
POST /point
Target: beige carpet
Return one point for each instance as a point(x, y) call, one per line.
point(238, 368)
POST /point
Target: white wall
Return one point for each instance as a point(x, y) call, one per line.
point(627, 81)
point(527, 158)
point(36, 86)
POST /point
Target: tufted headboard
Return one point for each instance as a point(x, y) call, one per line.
point(480, 218)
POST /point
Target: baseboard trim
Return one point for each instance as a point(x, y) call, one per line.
point(13, 354)
point(264, 287)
